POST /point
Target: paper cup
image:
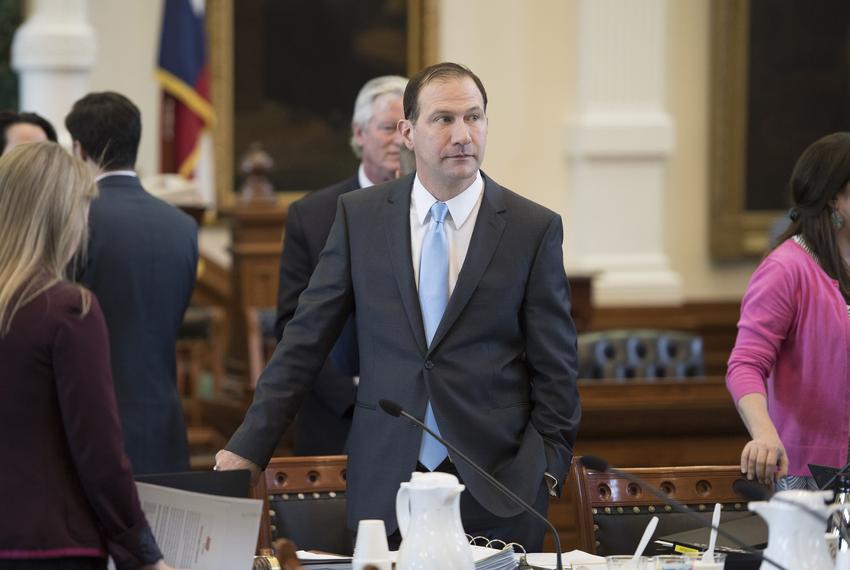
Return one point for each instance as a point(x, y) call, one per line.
point(371, 546)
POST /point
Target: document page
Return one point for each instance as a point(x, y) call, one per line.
point(202, 532)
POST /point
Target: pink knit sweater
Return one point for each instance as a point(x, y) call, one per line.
point(793, 346)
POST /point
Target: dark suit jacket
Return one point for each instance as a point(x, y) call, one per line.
point(500, 371)
point(141, 264)
point(324, 420)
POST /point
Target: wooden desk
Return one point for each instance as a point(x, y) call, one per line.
point(660, 423)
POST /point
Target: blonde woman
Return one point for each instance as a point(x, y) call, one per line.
point(65, 486)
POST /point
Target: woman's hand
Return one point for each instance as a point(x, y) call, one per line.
point(161, 565)
point(764, 458)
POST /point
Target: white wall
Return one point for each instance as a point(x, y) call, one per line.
point(128, 43)
point(524, 54)
point(687, 214)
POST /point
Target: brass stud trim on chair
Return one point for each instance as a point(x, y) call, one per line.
point(651, 508)
point(636, 510)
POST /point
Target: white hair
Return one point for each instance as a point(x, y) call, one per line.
point(364, 108)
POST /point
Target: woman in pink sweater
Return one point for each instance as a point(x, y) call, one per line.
point(790, 368)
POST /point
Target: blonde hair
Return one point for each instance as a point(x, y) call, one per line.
point(44, 202)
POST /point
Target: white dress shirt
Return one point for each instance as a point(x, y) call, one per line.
point(109, 173)
point(463, 211)
point(362, 178)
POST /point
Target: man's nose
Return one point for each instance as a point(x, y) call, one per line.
point(460, 133)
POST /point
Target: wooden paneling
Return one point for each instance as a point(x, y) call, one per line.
point(257, 239)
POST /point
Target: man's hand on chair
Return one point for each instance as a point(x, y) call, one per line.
point(229, 461)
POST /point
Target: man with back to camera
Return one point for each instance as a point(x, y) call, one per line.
point(141, 263)
point(323, 422)
point(463, 318)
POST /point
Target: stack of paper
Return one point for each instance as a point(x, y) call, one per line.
point(492, 558)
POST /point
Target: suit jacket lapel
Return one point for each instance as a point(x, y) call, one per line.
point(397, 227)
point(485, 239)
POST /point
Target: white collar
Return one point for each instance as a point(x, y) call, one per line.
point(362, 178)
point(459, 207)
point(109, 173)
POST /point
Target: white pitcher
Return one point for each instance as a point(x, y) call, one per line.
point(796, 539)
point(428, 512)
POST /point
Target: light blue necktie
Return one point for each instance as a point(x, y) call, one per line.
point(433, 298)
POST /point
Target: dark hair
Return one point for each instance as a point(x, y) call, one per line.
point(9, 118)
point(108, 127)
point(437, 72)
point(821, 173)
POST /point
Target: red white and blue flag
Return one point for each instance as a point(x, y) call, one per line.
point(183, 74)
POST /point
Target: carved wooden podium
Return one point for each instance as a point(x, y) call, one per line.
point(256, 223)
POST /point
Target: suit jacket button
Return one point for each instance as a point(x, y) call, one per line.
point(429, 365)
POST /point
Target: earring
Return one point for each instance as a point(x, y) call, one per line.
point(837, 220)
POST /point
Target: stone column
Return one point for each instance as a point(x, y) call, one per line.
point(54, 53)
point(619, 144)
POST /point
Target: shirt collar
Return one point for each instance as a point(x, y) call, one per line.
point(100, 177)
point(362, 178)
point(459, 207)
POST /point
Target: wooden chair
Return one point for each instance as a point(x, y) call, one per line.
point(201, 343)
point(306, 503)
point(611, 512)
point(259, 328)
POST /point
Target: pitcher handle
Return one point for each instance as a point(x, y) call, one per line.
point(402, 509)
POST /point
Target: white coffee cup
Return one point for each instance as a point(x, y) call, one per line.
point(371, 546)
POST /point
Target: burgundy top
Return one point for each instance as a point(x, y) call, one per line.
point(66, 487)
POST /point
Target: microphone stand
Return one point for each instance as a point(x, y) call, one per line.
point(394, 409)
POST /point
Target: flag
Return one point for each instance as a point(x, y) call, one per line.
point(187, 112)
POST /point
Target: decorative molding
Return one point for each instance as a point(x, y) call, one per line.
point(220, 42)
point(54, 53)
point(423, 22)
point(619, 143)
point(735, 233)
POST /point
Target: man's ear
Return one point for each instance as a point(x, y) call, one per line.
point(405, 127)
point(79, 152)
point(357, 134)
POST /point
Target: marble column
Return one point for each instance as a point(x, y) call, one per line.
point(54, 52)
point(619, 143)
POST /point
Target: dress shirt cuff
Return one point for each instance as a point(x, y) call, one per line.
point(552, 484)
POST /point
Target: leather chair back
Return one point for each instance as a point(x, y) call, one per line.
point(640, 353)
point(306, 503)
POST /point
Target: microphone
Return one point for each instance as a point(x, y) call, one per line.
point(396, 410)
point(754, 492)
point(597, 464)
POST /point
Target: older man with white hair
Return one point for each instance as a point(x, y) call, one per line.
point(325, 415)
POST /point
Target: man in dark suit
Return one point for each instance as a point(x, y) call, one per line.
point(324, 419)
point(463, 317)
point(141, 263)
